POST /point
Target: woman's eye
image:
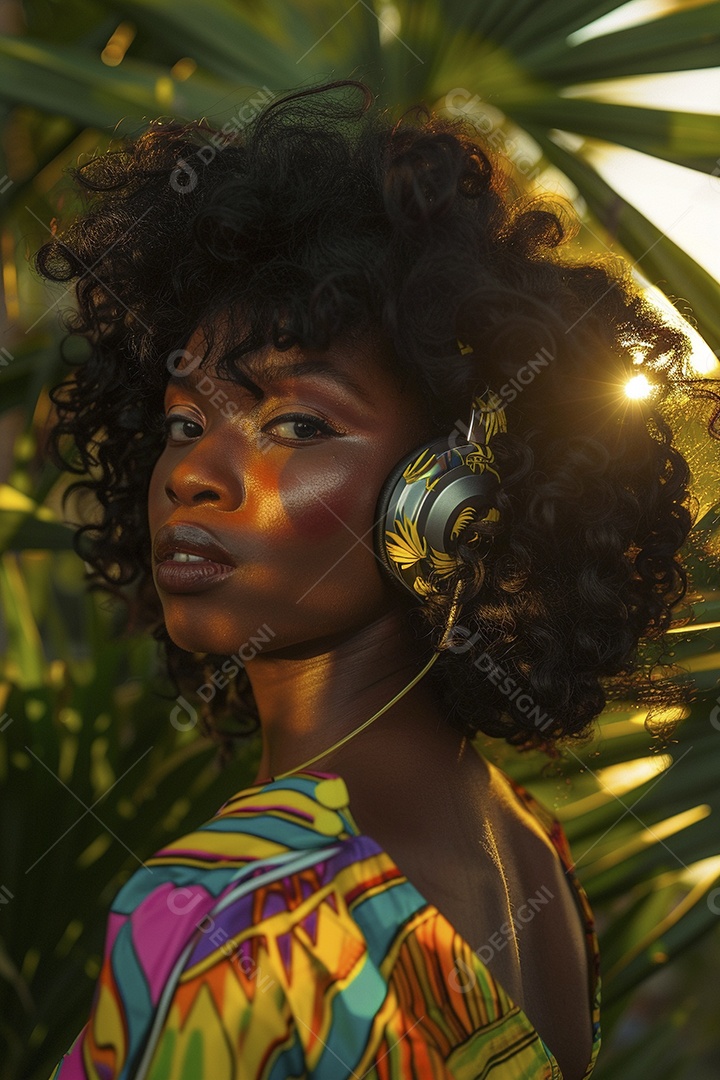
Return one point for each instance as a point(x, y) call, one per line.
point(299, 427)
point(170, 422)
point(302, 428)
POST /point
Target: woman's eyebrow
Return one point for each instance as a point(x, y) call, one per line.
point(314, 366)
point(276, 371)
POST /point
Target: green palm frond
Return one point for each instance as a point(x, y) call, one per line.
point(646, 842)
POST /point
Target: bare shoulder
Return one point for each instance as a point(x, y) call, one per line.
point(550, 973)
point(473, 849)
point(534, 877)
point(491, 867)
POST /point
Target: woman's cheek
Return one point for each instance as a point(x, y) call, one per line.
point(321, 517)
point(321, 510)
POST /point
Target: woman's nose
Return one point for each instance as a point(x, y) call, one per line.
point(196, 479)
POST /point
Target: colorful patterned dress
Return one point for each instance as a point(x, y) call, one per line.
point(277, 941)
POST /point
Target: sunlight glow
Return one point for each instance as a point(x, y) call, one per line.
point(638, 387)
point(645, 838)
point(702, 871)
point(672, 714)
point(389, 23)
point(630, 14)
point(618, 779)
point(683, 203)
point(690, 91)
point(702, 360)
point(662, 829)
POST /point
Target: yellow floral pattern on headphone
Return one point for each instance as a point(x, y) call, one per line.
point(482, 459)
point(464, 518)
point(416, 469)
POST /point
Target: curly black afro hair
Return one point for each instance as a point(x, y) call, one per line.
point(326, 216)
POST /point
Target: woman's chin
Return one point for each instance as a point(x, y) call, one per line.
point(196, 637)
point(240, 642)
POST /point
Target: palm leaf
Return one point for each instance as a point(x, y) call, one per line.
point(683, 40)
point(82, 709)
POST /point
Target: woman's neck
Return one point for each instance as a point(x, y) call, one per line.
point(310, 696)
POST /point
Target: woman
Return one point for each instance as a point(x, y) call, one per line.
point(281, 321)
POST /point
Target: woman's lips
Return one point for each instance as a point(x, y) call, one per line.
point(190, 577)
point(181, 536)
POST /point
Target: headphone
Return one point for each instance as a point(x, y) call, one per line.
point(434, 494)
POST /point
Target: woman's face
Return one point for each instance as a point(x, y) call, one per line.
point(292, 500)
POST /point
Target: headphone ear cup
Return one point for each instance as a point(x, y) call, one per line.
point(425, 502)
point(389, 494)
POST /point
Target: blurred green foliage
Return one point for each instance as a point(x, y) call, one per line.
point(94, 776)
